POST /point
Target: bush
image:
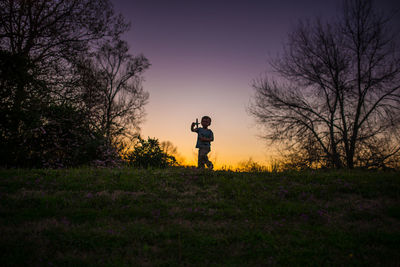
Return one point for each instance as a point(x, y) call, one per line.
point(147, 153)
point(58, 136)
point(250, 166)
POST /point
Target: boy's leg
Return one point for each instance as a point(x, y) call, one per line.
point(203, 158)
point(209, 164)
point(200, 161)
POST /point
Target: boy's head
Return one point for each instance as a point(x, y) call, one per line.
point(205, 121)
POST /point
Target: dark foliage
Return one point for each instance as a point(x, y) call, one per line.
point(23, 99)
point(50, 105)
point(147, 153)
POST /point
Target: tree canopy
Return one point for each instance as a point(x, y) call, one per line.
point(69, 86)
point(336, 99)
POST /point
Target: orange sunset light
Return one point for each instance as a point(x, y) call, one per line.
point(205, 56)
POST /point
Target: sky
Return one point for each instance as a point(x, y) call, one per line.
point(205, 56)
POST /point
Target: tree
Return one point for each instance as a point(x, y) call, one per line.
point(169, 148)
point(338, 97)
point(22, 98)
point(41, 43)
point(51, 34)
point(112, 88)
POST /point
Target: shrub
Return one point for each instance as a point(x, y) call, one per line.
point(147, 153)
point(250, 166)
point(60, 135)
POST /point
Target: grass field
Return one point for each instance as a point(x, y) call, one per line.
point(182, 216)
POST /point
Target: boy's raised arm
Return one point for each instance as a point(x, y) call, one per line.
point(192, 127)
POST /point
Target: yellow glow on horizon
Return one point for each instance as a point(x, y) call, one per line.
point(229, 149)
point(178, 98)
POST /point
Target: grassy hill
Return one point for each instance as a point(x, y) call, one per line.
point(178, 216)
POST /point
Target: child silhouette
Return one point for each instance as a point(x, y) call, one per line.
point(204, 137)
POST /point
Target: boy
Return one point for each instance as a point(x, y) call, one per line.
point(204, 137)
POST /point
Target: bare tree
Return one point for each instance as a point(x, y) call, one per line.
point(48, 36)
point(169, 148)
point(112, 88)
point(50, 30)
point(51, 33)
point(338, 96)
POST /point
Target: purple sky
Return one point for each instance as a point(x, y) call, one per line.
point(205, 55)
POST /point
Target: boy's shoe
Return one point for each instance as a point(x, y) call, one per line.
point(210, 166)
